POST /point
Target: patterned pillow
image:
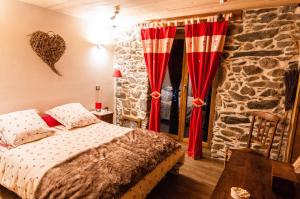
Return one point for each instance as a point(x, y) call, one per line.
point(20, 127)
point(73, 115)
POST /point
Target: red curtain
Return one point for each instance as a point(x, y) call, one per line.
point(204, 45)
point(157, 43)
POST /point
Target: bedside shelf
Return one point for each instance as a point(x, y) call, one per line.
point(106, 116)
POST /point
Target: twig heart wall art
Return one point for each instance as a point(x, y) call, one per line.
point(49, 47)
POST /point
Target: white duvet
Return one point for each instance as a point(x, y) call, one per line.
point(22, 168)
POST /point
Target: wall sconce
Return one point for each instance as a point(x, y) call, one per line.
point(114, 17)
point(100, 46)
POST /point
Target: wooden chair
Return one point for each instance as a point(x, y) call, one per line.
point(127, 118)
point(264, 136)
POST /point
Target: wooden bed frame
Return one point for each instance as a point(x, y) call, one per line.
point(145, 185)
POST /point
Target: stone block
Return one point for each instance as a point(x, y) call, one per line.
point(252, 70)
point(238, 63)
point(132, 80)
point(287, 9)
point(264, 43)
point(134, 113)
point(264, 78)
point(235, 87)
point(238, 97)
point(258, 27)
point(248, 46)
point(263, 104)
point(265, 84)
point(259, 53)
point(217, 146)
point(277, 72)
point(282, 37)
point(288, 28)
point(268, 63)
point(236, 69)
point(231, 105)
point(228, 133)
point(231, 48)
point(257, 35)
point(247, 91)
point(276, 24)
point(260, 11)
point(293, 64)
point(121, 95)
point(283, 44)
point(143, 105)
point(267, 17)
point(289, 16)
point(227, 85)
point(136, 93)
point(236, 129)
point(223, 138)
point(234, 119)
point(250, 79)
point(270, 92)
point(126, 104)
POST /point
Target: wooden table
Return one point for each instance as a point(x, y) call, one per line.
point(248, 171)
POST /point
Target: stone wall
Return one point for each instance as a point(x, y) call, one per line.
point(258, 50)
point(131, 89)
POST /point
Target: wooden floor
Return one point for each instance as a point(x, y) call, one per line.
point(196, 180)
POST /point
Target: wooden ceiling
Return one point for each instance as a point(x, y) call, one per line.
point(151, 9)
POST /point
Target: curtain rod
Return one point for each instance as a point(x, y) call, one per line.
point(184, 19)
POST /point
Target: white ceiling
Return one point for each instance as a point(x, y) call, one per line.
point(150, 9)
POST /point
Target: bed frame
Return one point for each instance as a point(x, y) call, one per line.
point(145, 185)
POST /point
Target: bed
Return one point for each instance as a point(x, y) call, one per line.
point(100, 160)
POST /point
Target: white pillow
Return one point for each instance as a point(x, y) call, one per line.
point(73, 115)
point(23, 126)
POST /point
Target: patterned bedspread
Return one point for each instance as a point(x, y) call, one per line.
point(98, 161)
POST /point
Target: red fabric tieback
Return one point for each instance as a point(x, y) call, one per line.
point(155, 95)
point(198, 103)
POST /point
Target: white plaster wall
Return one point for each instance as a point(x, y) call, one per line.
point(27, 82)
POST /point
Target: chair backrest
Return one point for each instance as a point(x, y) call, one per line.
point(126, 118)
point(266, 129)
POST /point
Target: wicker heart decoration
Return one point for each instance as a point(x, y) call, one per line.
point(49, 47)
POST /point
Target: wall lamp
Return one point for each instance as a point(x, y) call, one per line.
point(100, 46)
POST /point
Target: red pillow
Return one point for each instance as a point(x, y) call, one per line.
point(51, 122)
point(3, 142)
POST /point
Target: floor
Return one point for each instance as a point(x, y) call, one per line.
point(196, 180)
